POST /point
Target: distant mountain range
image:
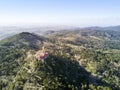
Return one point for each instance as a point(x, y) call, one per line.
point(113, 28)
point(8, 31)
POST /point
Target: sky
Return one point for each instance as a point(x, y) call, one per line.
point(60, 12)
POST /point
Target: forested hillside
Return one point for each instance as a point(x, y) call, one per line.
point(78, 60)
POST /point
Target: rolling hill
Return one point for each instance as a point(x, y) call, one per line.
point(78, 60)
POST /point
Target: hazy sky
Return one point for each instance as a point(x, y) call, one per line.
point(60, 12)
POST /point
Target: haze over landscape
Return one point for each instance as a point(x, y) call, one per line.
point(59, 45)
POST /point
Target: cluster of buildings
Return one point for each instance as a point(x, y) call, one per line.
point(41, 54)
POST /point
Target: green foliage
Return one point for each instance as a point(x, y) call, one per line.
point(78, 60)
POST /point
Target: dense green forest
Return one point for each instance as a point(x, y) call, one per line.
point(78, 60)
